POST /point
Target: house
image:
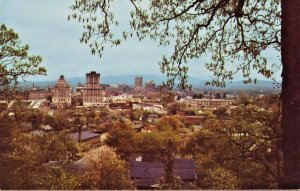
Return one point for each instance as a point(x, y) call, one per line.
point(153, 118)
point(46, 127)
point(37, 132)
point(147, 175)
point(194, 120)
point(138, 127)
point(87, 138)
point(148, 128)
point(151, 107)
point(144, 128)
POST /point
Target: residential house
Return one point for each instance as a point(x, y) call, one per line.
point(147, 175)
point(87, 138)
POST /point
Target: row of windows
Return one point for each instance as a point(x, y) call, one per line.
point(92, 100)
point(39, 93)
point(63, 100)
point(90, 93)
point(213, 103)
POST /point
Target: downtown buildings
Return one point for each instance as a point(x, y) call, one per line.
point(92, 93)
point(62, 96)
point(62, 93)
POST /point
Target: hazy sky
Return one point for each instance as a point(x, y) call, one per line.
point(44, 26)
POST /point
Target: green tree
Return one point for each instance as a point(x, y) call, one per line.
point(244, 99)
point(15, 61)
point(62, 120)
point(127, 142)
point(27, 153)
point(106, 171)
point(174, 107)
point(220, 178)
point(35, 118)
point(122, 138)
point(49, 120)
point(10, 129)
point(167, 97)
point(27, 156)
point(155, 144)
point(268, 101)
point(232, 31)
point(135, 114)
point(90, 116)
point(218, 96)
point(172, 123)
point(104, 113)
point(198, 96)
point(221, 112)
point(249, 140)
point(60, 147)
point(57, 178)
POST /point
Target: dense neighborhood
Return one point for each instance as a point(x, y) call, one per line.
point(149, 95)
point(147, 126)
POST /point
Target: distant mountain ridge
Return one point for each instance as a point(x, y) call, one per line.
point(158, 79)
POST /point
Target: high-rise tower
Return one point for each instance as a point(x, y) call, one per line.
point(62, 92)
point(138, 83)
point(92, 93)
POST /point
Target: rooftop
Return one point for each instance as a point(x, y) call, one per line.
point(85, 135)
point(147, 174)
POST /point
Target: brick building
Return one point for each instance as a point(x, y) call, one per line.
point(35, 94)
point(138, 82)
point(61, 93)
point(208, 103)
point(150, 86)
point(93, 92)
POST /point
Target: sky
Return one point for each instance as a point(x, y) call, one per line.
point(44, 26)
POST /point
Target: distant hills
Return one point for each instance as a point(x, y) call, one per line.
point(158, 79)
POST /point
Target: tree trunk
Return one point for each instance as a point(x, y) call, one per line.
point(291, 92)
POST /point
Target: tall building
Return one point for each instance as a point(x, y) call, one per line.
point(150, 86)
point(93, 80)
point(93, 93)
point(138, 83)
point(62, 93)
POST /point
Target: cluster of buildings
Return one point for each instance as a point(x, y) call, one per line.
point(93, 93)
point(61, 93)
point(149, 85)
point(145, 96)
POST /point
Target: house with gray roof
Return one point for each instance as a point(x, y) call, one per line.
point(147, 175)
